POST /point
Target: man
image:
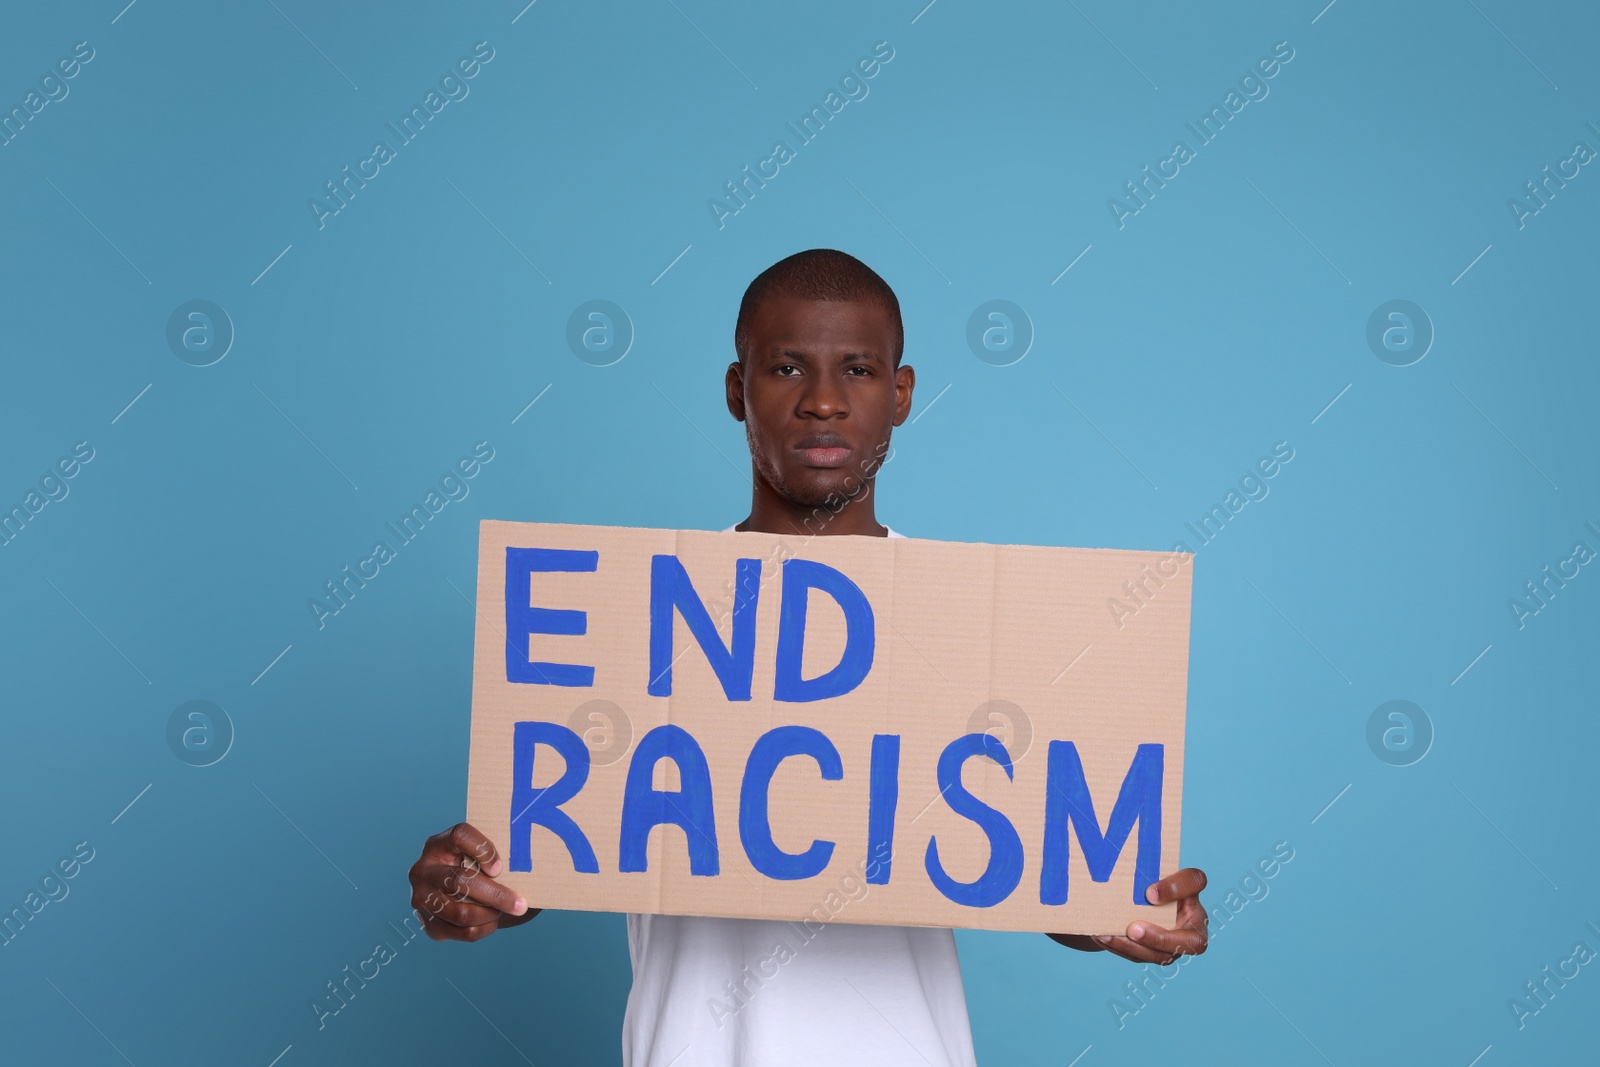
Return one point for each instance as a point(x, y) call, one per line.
point(820, 387)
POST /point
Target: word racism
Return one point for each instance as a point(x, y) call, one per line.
point(1540, 593)
point(1212, 123)
point(54, 88)
point(454, 89)
point(53, 487)
point(53, 886)
point(741, 191)
point(1253, 887)
point(1067, 800)
point(1539, 195)
point(453, 485)
point(1541, 994)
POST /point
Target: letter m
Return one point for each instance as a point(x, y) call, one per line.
point(1068, 804)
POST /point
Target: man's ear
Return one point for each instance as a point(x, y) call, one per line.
point(905, 380)
point(734, 384)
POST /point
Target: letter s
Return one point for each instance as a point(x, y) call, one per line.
point(1283, 50)
point(80, 48)
point(479, 51)
point(484, 451)
point(1283, 450)
point(84, 451)
point(878, 50)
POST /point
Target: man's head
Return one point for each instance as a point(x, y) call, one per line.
point(818, 382)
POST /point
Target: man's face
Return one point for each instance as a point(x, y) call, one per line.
point(819, 395)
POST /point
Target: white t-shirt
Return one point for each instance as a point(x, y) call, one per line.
point(764, 993)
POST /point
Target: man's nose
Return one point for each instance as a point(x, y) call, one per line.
point(823, 399)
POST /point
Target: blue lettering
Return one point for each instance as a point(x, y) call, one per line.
point(1067, 801)
point(1004, 871)
point(532, 807)
point(800, 576)
point(644, 807)
point(883, 795)
point(671, 589)
point(523, 619)
point(755, 829)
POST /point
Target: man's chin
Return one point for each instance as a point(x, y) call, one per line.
point(829, 489)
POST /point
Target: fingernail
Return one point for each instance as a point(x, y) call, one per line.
point(1136, 931)
point(494, 868)
point(1151, 895)
point(519, 907)
point(1104, 939)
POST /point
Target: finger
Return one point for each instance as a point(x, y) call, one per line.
point(1185, 883)
point(1132, 950)
point(471, 842)
point(455, 912)
point(439, 930)
point(464, 883)
point(1169, 942)
point(1192, 916)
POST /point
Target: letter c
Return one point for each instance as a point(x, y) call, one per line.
point(755, 829)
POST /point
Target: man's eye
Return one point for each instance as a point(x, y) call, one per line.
point(787, 370)
point(859, 372)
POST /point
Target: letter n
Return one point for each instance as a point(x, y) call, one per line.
point(1067, 802)
point(671, 592)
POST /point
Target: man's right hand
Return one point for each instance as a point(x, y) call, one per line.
point(454, 891)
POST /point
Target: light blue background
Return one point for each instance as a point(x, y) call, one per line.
point(1206, 330)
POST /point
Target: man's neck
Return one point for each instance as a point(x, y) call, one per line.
point(772, 513)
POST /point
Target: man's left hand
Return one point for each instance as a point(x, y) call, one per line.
point(1146, 942)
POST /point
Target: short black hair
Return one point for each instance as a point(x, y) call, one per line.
point(818, 274)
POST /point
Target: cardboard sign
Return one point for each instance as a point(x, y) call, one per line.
point(855, 729)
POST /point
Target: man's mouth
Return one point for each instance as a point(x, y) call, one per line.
point(824, 450)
